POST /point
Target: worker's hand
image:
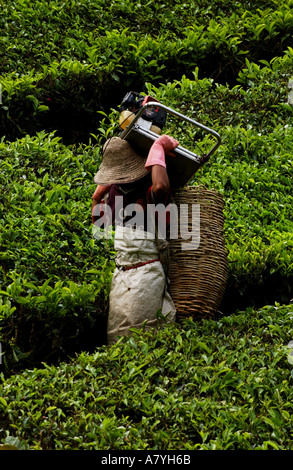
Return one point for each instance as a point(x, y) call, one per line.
point(97, 198)
point(100, 192)
point(164, 144)
point(168, 143)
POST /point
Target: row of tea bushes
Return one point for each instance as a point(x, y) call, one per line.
point(71, 29)
point(54, 277)
point(68, 96)
point(210, 385)
point(71, 67)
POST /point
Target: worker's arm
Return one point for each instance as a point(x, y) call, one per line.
point(157, 165)
point(160, 183)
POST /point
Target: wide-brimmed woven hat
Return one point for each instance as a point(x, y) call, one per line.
point(120, 163)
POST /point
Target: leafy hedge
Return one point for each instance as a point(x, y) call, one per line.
point(210, 385)
point(54, 277)
point(78, 58)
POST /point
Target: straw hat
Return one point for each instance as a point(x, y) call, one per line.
point(120, 164)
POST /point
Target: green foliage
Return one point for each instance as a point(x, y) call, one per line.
point(54, 276)
point(218, 384)
point(78, 58)
point(213, 385)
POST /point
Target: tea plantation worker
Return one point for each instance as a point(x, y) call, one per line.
point(128, 185)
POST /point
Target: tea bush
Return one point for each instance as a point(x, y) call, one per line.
point(54, 275)
point(77, 58)
point(211, 385)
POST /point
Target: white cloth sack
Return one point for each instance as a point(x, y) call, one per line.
point(138, 293)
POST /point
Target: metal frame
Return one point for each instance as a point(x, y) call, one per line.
point(154, 136)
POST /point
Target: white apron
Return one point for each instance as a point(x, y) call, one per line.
point(138, 293)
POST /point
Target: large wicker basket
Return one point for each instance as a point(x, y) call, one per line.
point(198, 276)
